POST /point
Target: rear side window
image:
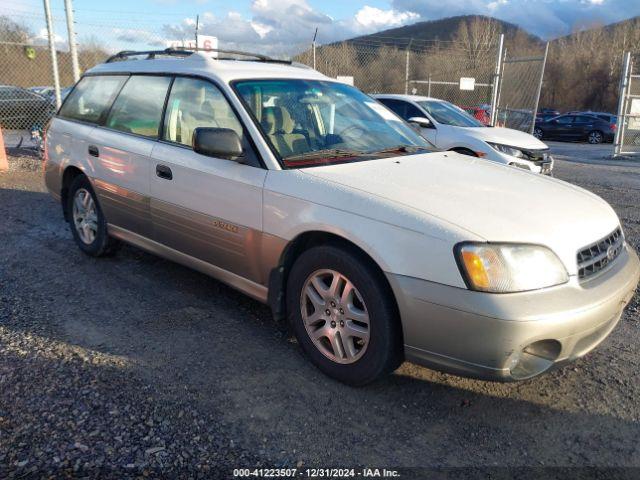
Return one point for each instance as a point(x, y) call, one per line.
point(92, 97)
point(566, 119)
point(397, 106)
point(138, 108)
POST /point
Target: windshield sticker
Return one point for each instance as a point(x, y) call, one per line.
point(382, 111)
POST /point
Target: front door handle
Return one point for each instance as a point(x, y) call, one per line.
point(163, 171)
point(93, 151)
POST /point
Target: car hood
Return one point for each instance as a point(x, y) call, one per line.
point(495, 202)
point(504, 136)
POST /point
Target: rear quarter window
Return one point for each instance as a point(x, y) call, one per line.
point(138, 108)
point(92, 97)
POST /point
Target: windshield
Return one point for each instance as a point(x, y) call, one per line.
point(448, 114)
point(311, 122)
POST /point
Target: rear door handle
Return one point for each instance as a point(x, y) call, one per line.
point(163, 171)
point(93, 151)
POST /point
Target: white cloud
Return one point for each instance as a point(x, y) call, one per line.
point(261, 29)
point(372, 17)
point(286, 26)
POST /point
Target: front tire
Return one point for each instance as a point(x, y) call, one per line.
point(538, 133)
point(343, 314)
point(87, 222)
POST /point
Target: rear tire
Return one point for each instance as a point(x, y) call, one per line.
point(343, 314)
point(88, 223)
point(595, 137)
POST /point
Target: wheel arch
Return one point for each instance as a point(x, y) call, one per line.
point(303, 242)
point(462, 150)
point(69, 175)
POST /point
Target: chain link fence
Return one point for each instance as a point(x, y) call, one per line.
point(627, 141)
point(474, 76)
point(413, 67)
point(519, 91)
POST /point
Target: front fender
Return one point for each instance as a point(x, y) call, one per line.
point(409, 246)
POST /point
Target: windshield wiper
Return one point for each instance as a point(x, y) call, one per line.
point(398, 148)
point(327, 153)
point(337, 153)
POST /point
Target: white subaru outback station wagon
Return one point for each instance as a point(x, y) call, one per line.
point(310, 196)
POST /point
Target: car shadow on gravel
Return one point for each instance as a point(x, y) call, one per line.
point(202, 347)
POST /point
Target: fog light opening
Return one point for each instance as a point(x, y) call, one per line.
point(533, 359)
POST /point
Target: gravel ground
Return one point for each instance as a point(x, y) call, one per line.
point(133, 365)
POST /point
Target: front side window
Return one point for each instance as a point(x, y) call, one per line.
point(138, 108)
point(313, 122)
point(196, 103)
point(92, 97)
point(448, 114)
point(413, 111)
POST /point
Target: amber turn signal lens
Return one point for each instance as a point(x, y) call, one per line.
point(475, 269)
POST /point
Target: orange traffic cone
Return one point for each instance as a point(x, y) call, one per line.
point(4, 163)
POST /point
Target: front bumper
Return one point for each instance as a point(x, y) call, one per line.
point(543, 166)
point(515, 336)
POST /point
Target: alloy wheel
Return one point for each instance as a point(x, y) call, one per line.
point(335, 316)
point(538, 133)
point(595, 137)
point(85, 216)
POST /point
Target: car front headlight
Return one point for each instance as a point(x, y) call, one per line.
point(507, 150)
point(508, 268)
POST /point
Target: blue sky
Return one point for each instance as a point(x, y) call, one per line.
point(281, 25)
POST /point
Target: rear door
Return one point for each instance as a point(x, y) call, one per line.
point(583, 124)
point(208, 208)
point(71, 131)
point(120, 151)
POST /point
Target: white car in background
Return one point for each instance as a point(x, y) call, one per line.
point(450, 128)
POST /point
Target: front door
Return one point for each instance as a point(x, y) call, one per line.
point(562, 127)
point(208, 208)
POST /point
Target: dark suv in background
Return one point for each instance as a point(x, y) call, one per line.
point(592, 127)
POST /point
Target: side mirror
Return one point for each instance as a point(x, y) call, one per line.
point(217, 142)
point(421, 122)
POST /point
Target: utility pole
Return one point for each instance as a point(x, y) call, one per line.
point(313, 47)
point(197, 27)
point(52, 49)
point(406, 68)
point(73, 50)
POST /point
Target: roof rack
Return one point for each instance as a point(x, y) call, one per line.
point(184, 52)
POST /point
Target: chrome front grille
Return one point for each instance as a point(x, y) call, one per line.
point(595, 257)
